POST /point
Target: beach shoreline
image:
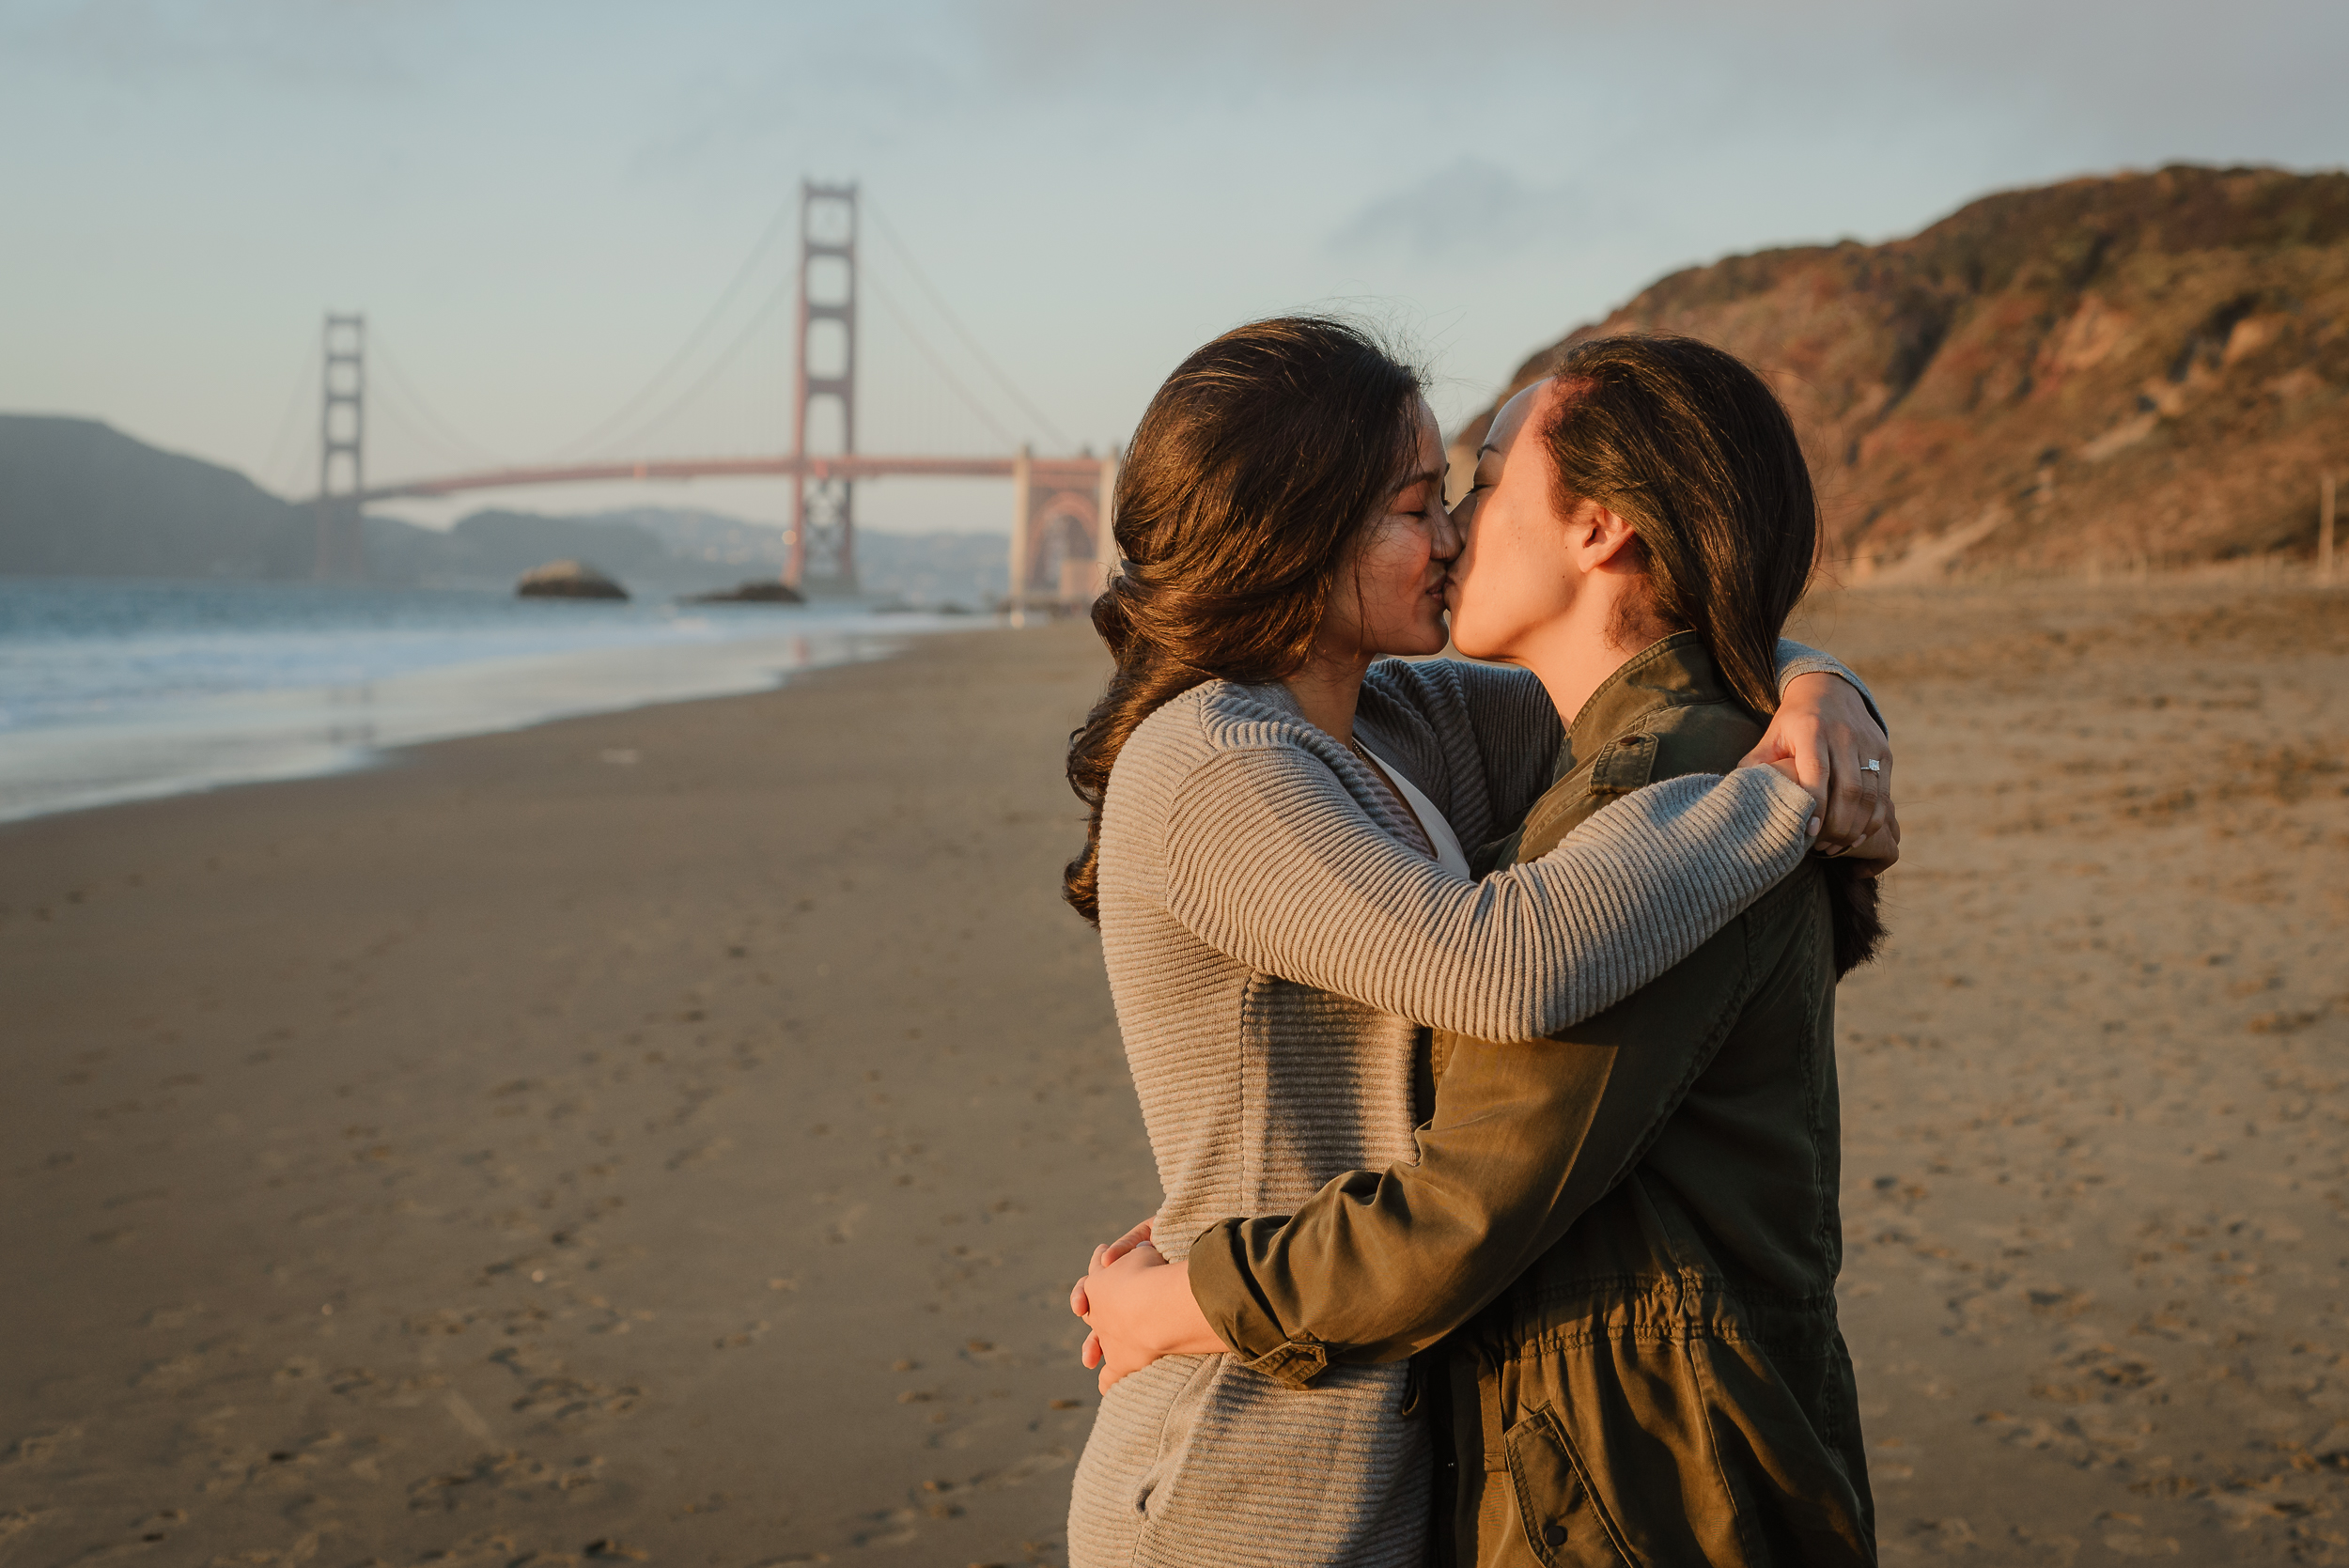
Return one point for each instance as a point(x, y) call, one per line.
point(515, 1150)
point(113, 691)
point(184, 748)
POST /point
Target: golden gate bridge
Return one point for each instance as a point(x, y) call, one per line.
point(1060, 505)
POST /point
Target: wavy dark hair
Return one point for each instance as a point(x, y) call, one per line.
point(1685, 442)
point(1253, 472)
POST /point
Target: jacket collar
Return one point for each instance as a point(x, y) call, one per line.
point(1674, 673)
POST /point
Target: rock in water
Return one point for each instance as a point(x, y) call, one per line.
point(566, 580)
point(763, 590)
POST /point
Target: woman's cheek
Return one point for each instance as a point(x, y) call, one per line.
point(1487, 611)
point(1467, 632)
point(1403, 572)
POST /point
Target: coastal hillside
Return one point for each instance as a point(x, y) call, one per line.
point(491, 549)
point(2150, 368)
point(80, 499)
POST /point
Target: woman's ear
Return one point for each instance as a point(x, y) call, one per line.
point(1601, 537)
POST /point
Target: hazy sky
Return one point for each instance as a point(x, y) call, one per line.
point(536, 204)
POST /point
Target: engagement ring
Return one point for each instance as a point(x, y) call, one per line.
point(1872, 766)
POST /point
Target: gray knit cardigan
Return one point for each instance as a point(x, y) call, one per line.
point(1274, 948)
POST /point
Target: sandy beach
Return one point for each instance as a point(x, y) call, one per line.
point(660, 1135)
point(2095, 1175)
point(668, 1136)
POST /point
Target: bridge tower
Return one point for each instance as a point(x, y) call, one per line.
point(823, 520)
point(1062, 512)
point(342, 441)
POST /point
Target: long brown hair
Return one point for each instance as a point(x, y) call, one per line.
point(1691, 448)
point(1253, 471)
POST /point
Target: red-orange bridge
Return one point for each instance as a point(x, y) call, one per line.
point(1061, 507)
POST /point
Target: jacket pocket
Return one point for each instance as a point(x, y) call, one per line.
point(1784, 1421)
point(1566, 1526)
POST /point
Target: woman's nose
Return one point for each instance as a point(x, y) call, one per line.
point(1447, 537)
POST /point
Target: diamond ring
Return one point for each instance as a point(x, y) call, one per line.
point(1870, 766)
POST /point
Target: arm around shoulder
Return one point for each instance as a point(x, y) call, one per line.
point(1271, 860)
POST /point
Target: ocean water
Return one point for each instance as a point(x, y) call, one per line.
point(115, 691)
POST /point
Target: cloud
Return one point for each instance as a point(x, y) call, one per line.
point(326, 46)
point(1470, 206)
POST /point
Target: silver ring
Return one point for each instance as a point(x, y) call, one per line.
point(1870, 766)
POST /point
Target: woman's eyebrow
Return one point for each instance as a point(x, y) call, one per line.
point(1425, 477)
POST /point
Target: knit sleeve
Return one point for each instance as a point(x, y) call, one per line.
point(1795, 660)
point(1271, 860)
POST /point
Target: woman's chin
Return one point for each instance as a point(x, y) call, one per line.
point(1431, 639)
point(1487, 653)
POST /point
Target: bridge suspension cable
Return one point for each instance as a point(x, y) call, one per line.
point(889, 302)
point(775, 231)
point(428, 424)
point(889, 233)
point(646, 411)
point(305, 393)
point(677, 404)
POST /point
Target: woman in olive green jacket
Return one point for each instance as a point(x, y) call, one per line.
point(1615, 1254)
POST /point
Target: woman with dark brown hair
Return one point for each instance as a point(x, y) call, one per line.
point(1276, 859)
point(1613, 1250)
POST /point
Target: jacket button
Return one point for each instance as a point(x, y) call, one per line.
point(1554, 1534)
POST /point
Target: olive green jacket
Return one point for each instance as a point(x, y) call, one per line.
point(1622, 1242)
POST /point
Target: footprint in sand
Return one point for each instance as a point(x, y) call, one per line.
point(700, 1154)
point(460, 1410)
point(493, 1477)
point(40, 1446)
point(365, 1386)
point(551, 1392)
point(895, 1527)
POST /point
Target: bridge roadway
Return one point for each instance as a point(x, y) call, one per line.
point(1071, 472)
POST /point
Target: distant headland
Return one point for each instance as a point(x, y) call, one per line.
point(79, 498)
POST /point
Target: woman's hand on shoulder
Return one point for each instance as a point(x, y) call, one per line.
point(1825, 739)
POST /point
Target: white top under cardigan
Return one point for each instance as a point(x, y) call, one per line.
point(1448, 854)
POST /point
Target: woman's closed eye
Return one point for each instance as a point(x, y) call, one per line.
point(1465, 509)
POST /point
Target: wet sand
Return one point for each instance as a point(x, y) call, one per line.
point(668, 1136)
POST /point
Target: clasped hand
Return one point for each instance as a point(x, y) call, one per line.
point(1824, 739)
point(1137, 1307)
